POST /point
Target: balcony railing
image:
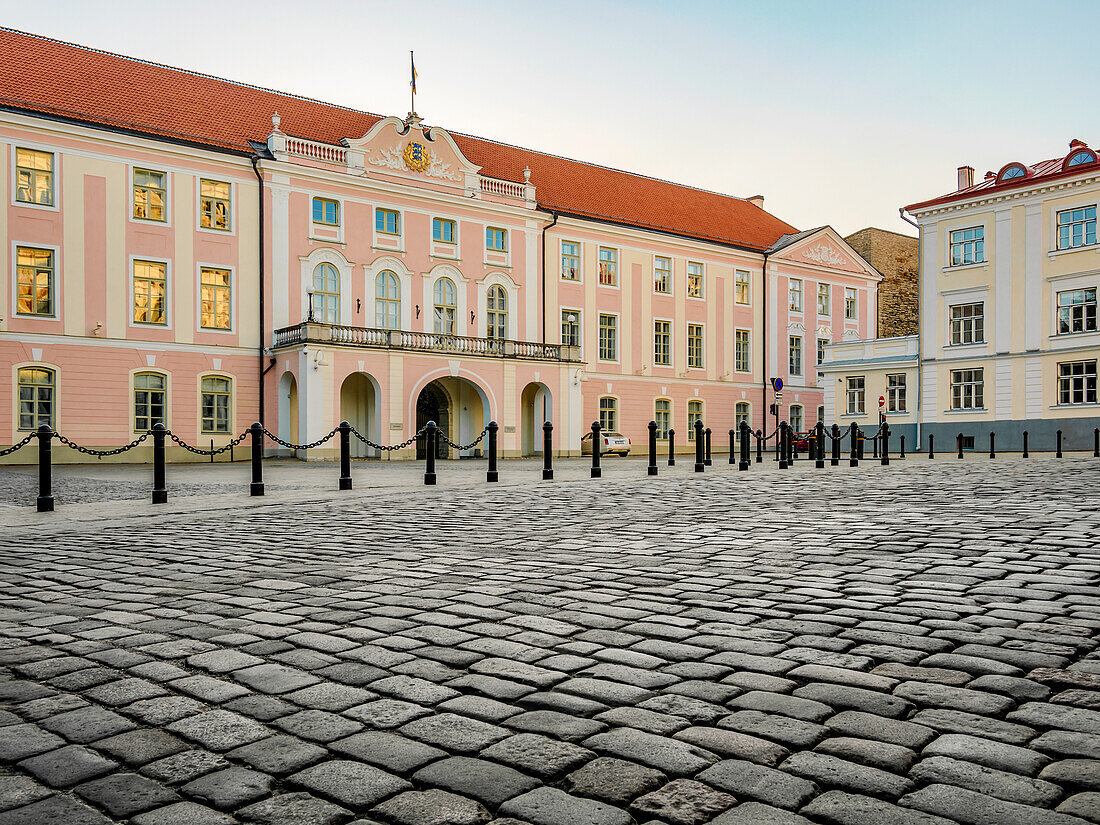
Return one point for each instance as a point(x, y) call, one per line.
point(316, 151)
point(309, 332)
point(504, 188)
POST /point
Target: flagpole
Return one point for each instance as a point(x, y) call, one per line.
point(412, 84)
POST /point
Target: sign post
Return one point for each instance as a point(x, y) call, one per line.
point(777, 387)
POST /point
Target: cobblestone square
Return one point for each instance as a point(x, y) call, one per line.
point(912, 645)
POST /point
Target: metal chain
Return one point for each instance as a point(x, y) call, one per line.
point(101, 453)
point(469, 446)
point(390, 447)
point(197, 451)
point(19, 446)
point(287, 444)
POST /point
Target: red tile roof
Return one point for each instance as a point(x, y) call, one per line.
point(72, 82)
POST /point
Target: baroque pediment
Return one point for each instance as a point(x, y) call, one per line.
point(392, 147)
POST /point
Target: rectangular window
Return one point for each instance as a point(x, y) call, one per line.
point(851, 303)
point(968, 323)
point(796, 355)
point(34, 177)
point(742, 415)
point(1077, 227)
point(214, 204)
point(36, 396)
point(1077, 382)
point(149, 395)
point(150, 195)
point(742, 287)
point(695, 413)
point(662, 415)
point(215, 404)
point(856, 395)
point(821, 344)
point(609, 415)
point(571, 327)
point(570, 261)
point(216, 294)
point(326, 212)
point(662, 343)
point(895, 392)
point(662, 275)
point(824, 306)
point(609, 266)
point(496, 239)
point(742, 351)
point(695, 346)
point(443, 230)
point(695, 280)
point(1077, 311)
point(150, 292)
point(386, 222)
point(609, 341)
point(968, 246)
point(795, 291)
point(967, 389)
point(34, 281)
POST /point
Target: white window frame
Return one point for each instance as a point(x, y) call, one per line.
point(669, 274)
point(962, 324)
point(579, 323)
point(580, 261)
point(400, 221)
point(791, 292)
point(618, 266)
point(668, 324)
point(1058, 249)
point(975, 385)
point(859, 396)
point(828, 294)
point(801, 372)
point(896, 390)
point(702, 365)
point(618, 338)
point(748, 287)
point(1057, 310)
point(38, 147)
point(951, 243)
point(850, 292)
point(1072, 378)
point(748, 359)
point(702, 280)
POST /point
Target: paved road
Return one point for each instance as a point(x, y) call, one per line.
point(913, 645)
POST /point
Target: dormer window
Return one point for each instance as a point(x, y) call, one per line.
point(1080, 158)
point(1011, 172)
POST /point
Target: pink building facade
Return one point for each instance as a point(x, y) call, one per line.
point(288, 261)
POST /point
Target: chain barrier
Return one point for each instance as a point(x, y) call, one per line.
point(18, 446)
point(290, 446)
point(197, 451)
point(100, 453)
point(469, 446)
point(391, 447)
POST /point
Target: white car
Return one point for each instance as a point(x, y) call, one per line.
point(612, 443)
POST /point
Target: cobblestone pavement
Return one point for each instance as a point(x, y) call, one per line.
point(912, 645)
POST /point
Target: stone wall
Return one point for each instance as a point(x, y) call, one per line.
point(895, 256)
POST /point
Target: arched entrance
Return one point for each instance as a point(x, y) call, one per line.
point(536, 408)
point(461, 410)
point(288, 408)
point(359, 407)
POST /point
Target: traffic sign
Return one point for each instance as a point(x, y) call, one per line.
point(777, 384)
point(882, 401)
point(778, 395)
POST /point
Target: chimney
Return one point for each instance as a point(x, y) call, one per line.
point(756, 200)
point(966, 177)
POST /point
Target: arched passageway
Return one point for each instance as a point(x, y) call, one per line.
point(359, 397)
point(536, 408)
point(460, 408)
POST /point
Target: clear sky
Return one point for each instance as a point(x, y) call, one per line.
point(837, 112)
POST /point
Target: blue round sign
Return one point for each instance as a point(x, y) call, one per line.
point(778, 384)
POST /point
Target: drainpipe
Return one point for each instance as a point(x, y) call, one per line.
point(552, 223)
point(764, 342)
point(263, 331)
point(920, 366)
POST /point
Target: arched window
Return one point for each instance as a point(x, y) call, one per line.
point(1011, 172)
point(326, 294)
point(444, 292)
point(150, 389)
point(742, 412)
point(216, 396)
point(496, 306)
point(387, 301)
point(662, 414)
point(695, 413)
point(1079, 158)
point(796, 420)
point(609, 414)
point(36, 397)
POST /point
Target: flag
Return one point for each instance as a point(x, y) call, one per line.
point(412, 65)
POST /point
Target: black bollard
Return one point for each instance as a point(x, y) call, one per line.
point(835, 460)
point(652, 468)
point(1059, 453)
point(430, 431)
point(744, 463)
point(992, 448)
point(853, 458)
point(672, 448)
point(874, 443)
point(861, 441)
point(959, 444)
point(547, 451)
point(160, 491)
point(819, 437)
point(596, 471)
point(931, 446)
point(734, 444)
point(781, 444)
point(1096, 442)
point(706, 459)
point(699, 465)
point(791, 435)
point(45, 469)
point(1025, 443)
point(256, 488)
point(901, 454)
point(884, 431)
point(345, 456)
point(491, 473)
point(759, 446)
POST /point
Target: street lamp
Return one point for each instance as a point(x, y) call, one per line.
point(309, 317)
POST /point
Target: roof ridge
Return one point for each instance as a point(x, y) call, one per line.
point(191, 72)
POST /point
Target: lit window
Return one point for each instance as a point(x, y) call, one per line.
point(1077, 382)
point(609, 266)
point(150, 195)
point(662, 343)
point(796, 418)
point(150, 292)
point(823, 294)
point(662, 275)
point(443, 230)
point(662, 415)
point(609, 414)
point(742, 290)
point(742, 414)
point(1077, 311)
point(445, 308)
point(968, 246)
point(742, 351)
point(856, 395)
point(895, 392)
point(326, 212)
point(216, 294)
point(571, 327)
point(326, 294)
point(967, 389)
point(1077, 227)
point(795, 291)
point(496, 306)
point(821, 344)
point(695, 280)
point(34, 177)
point(214, 204)
point(36, 397)
point(796, 355)
point(34, 281)
point(387, 300)
point(149, 396)
point(968, 323)
point(695, 346)
point(215, 404)
point(570, 261)
point(695, 413)
point(851, 303)
point(386, 222)
point(496, 240)
point(609, 343)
